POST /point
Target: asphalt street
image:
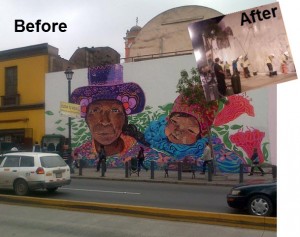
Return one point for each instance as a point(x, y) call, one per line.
point(178, 196)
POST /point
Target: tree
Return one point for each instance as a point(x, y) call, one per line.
point(190, 87)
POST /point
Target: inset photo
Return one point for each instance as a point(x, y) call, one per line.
point(242, 51)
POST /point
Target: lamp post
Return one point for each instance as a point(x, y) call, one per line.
point(69, 74)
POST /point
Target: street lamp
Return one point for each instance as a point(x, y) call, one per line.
point(69, 74)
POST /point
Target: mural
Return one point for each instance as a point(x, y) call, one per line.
point(114, 114)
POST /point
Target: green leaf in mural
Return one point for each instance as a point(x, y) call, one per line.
point(58, 121)
point(236, 127)
point(60, 129)
point(265, 151)
point(80, 131)
point(226, 127)
point(236, 150)
point(223, 132)
point(218, 129)
point(48, 112)
point(226, 141)
point(148, 107)
point(75, 139)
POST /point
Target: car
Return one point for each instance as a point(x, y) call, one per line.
point(26, 171)
point(258, 199)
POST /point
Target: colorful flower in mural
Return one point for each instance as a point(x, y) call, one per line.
point(234, 107)
point(249, 140)
point(240, 142)
point(128, 103)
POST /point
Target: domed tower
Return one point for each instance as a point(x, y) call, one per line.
point(130, 39)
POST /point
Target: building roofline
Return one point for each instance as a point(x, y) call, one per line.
point(28, 51)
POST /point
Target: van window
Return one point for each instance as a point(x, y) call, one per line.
point(27, 161)
point(1, 159)
point(52, 161)
point(12, 161)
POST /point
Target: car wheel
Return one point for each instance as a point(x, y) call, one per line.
point(52, 190)
point(21, 187)
point(260, 205)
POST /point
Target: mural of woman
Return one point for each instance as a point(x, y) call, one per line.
point(105, 104)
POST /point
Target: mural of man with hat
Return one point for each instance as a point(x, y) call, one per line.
point(105, 104)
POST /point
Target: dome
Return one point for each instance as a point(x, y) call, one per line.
point(135, 28)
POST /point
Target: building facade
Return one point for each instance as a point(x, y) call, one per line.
point(22, 93)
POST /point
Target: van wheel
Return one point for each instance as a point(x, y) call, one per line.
point(52, 190)
point(21, 187)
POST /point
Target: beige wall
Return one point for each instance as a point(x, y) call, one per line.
point(168, 32)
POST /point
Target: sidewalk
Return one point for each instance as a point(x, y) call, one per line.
point(220, 179)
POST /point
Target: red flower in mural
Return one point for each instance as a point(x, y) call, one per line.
point(235, 107)
point(249, 140)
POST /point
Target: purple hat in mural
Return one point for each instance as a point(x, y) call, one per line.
point(106, 83)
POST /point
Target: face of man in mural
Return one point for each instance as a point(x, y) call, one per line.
point(182, 129)
point(105, 119)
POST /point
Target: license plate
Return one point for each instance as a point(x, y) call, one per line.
point(58, 175)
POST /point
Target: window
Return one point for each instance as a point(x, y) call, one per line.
point(11, 96)
point(1, 159)
point(27, 161)
point(12, 161)
point(52, 161)
point(11, 81)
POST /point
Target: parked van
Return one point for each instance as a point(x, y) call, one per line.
point(25, 171)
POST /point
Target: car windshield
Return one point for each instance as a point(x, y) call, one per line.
point(52, 161)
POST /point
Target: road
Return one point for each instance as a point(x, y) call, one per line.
point(32, 221)
point(187, 197)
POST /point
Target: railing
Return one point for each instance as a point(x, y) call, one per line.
point(158, 55)
point(272, 169)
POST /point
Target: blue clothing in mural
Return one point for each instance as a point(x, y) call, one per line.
point(155, 135)
point(226, 160)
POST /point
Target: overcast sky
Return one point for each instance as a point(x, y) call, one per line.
point(95, 23)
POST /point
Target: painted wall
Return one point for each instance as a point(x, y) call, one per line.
point(239, 126)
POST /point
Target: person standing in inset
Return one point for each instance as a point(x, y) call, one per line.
point(207, 157)
point(235, 66)
point(220, 75)
point(227, 69)
point(269, 62)
point(246, 65)
point(102, 157)
point(141, 158)
point(284, 62)
point(255, 162)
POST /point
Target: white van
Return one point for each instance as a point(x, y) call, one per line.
point(25, 171)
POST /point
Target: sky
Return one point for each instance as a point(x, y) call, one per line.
point(101, 23)
point(92, 23)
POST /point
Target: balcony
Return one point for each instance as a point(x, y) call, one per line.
point(11, 100)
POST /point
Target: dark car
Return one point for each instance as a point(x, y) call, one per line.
point(257, 199)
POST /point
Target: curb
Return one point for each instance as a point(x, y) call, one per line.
point(223, 219)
